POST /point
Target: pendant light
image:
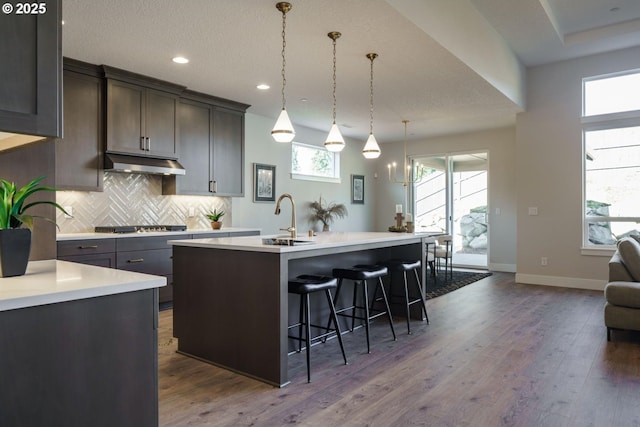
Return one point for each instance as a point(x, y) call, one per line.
point(335, 141)
point(371, 149)
point(283, 130)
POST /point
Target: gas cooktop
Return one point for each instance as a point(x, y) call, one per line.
point(138, 228)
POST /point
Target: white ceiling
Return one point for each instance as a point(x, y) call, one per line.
point(235, 45)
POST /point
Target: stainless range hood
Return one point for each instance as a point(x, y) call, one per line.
point(135, 164)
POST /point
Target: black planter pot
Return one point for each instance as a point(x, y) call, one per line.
point(15, 245)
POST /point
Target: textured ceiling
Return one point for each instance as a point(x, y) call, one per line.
point(235, 45)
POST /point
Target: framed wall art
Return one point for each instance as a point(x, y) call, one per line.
point(264, 183)
point(357, 189)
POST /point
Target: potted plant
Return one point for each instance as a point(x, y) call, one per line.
point(215, 217)
point(327, 213)
point(15, 241)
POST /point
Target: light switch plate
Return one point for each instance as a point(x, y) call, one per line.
point(533, 211)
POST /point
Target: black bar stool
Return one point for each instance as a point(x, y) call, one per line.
point(400, 265)
point(305, 285)
point(359, 274)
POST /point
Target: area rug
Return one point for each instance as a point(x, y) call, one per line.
point(460, 278)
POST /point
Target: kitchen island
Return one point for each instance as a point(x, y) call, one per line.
point(231, 302)
point(78, 346)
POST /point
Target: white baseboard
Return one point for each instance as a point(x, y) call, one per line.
point(563, 282)
point(505, 268)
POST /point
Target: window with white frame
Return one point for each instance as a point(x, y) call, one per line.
point(314, 163)
point(611, 147)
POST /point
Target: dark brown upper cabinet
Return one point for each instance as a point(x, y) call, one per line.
point(31, 72)
point(227, 171)
point(79, 163)
point(141, 115)
point(211, 147)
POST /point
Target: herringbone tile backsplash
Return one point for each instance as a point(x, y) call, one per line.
point(135, 199)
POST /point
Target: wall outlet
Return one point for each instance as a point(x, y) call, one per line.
point(544, 261)
point(69, 213)
point(192, 212)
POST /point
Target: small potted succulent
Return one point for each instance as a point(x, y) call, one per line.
point(215, 218)
point(15, 241)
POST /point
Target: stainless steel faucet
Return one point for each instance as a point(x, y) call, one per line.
point(292, 228)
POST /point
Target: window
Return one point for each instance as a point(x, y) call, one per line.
point(314, 163)
point(611, 145)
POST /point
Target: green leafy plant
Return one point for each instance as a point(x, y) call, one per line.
point(327, 213)
point(215, 216)
point(13, 204)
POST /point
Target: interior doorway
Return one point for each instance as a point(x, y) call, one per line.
point(452, 197)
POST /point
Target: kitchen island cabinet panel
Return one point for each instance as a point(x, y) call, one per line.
point(243, 279)
point(208, 333)
point(31, 72)
point(87, 362)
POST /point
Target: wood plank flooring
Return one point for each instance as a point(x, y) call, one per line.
point(496, 353)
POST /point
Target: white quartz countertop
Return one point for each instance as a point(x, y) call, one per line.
point(177, 234)
point(320, 241)
point(51, 281)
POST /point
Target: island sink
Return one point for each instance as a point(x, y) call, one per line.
point(285, 241)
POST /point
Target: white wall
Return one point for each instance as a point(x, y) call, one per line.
point(500, 144)
point(261, 148)
point(549, 173)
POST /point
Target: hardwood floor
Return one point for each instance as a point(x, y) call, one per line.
point(496, 353)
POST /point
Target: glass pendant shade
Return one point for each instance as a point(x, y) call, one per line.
point(371, 149)
point(283, 130)
point(335, 141)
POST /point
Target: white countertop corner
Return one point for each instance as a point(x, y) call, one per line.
point(52, 281)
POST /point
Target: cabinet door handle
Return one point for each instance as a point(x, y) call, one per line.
point(148, 144)
point(88, 247)
point(135, 260)
point(213, 186)
point(143, 145)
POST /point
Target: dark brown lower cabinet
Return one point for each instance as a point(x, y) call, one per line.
point(89, 362)
point(150, 255)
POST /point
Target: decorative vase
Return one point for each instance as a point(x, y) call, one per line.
point(15, 245)
point(216, 225)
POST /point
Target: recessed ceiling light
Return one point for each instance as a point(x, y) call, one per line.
point(263, 86)
point(180, 60)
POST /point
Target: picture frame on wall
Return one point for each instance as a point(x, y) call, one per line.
point(264, 183)
point(357, 189)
